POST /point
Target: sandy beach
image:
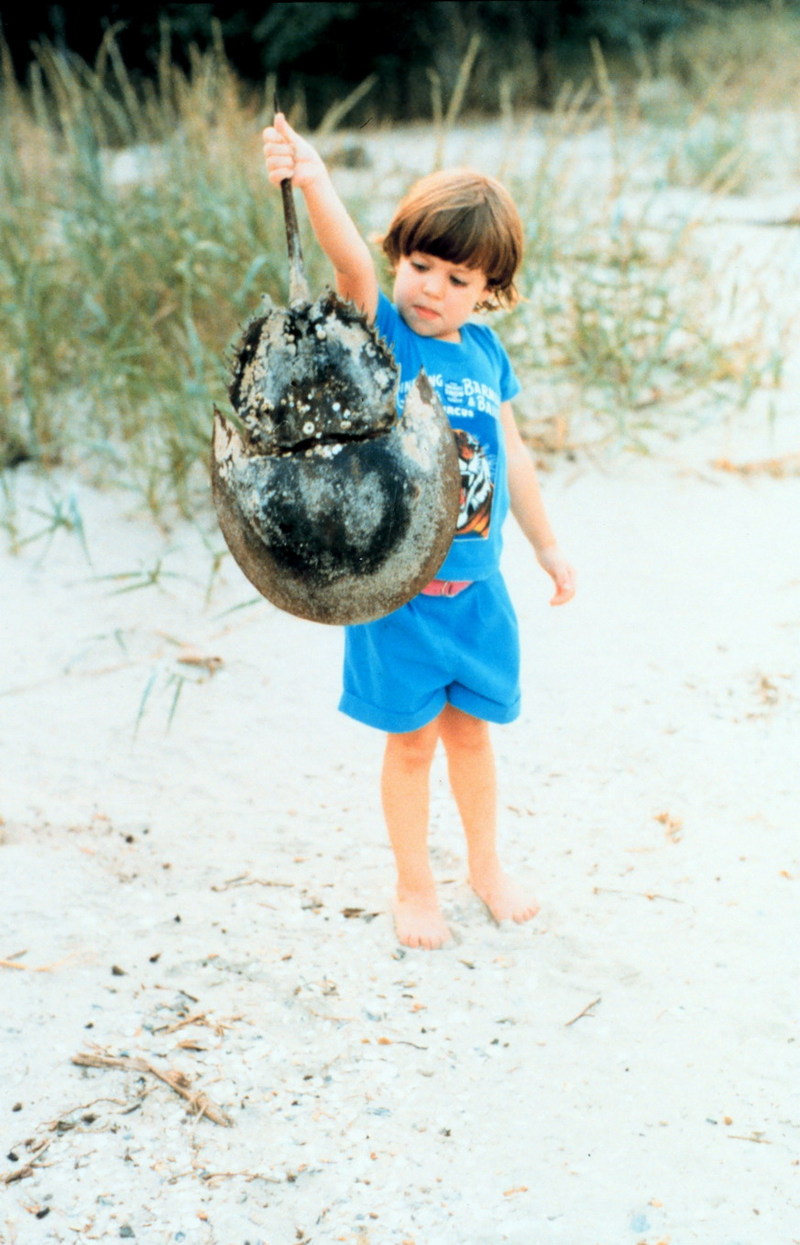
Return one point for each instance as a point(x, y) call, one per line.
point(195, 885)
point(210, 894)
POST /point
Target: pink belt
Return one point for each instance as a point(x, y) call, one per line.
point(445, 587)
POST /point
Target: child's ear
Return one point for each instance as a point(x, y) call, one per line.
point(487, 299)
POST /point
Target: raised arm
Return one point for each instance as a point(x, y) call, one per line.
point(287, 155)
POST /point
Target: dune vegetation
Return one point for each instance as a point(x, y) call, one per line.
point(137, 235)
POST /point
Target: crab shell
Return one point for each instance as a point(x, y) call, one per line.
point(335, 510)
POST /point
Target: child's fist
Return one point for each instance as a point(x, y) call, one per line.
point(288, 156)
point(562, 574)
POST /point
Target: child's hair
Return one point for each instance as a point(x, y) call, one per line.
point(464, 218)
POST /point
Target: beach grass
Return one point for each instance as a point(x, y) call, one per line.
point(135, 242)
point(137, 235)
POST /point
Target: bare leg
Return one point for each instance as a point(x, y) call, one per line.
point(405, 791)
point(470, 762)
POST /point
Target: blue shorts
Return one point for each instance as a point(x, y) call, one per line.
point(400, 671)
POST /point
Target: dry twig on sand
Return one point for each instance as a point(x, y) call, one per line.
point(13, 962)
point(176, 1080)
point(206, 662)
point(586, 1011)
point(778, 468)
point(244, 879)
point(21, 1173)
point(196, 1018)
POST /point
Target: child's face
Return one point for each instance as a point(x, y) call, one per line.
point(435, 297)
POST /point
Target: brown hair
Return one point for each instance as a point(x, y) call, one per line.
point(464, 218)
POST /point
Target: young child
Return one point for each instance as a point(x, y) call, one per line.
point(446, 664)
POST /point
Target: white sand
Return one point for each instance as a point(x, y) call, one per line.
point(650, 787)
point(234, 868)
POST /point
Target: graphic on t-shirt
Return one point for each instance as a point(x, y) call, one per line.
point(477, 487)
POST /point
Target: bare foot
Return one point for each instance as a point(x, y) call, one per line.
point(418, 920)
point(505, 898)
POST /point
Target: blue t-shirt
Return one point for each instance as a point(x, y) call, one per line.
point(471, 378)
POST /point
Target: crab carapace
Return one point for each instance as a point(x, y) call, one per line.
point(336, 509)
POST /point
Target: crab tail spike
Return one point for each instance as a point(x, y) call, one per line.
point(298, 286)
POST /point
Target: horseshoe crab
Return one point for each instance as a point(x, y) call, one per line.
point(335, 509)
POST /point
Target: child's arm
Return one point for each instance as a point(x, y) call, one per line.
point(528, 509)
point(287, 155)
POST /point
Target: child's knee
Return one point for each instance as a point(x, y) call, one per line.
point(412, 749)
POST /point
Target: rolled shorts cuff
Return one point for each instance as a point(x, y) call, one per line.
point(481, 707)
point(390, 720)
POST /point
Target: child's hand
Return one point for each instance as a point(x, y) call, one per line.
point(287, 155)
point(562, 574)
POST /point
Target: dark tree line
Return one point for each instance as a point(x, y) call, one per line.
point(321, 50)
